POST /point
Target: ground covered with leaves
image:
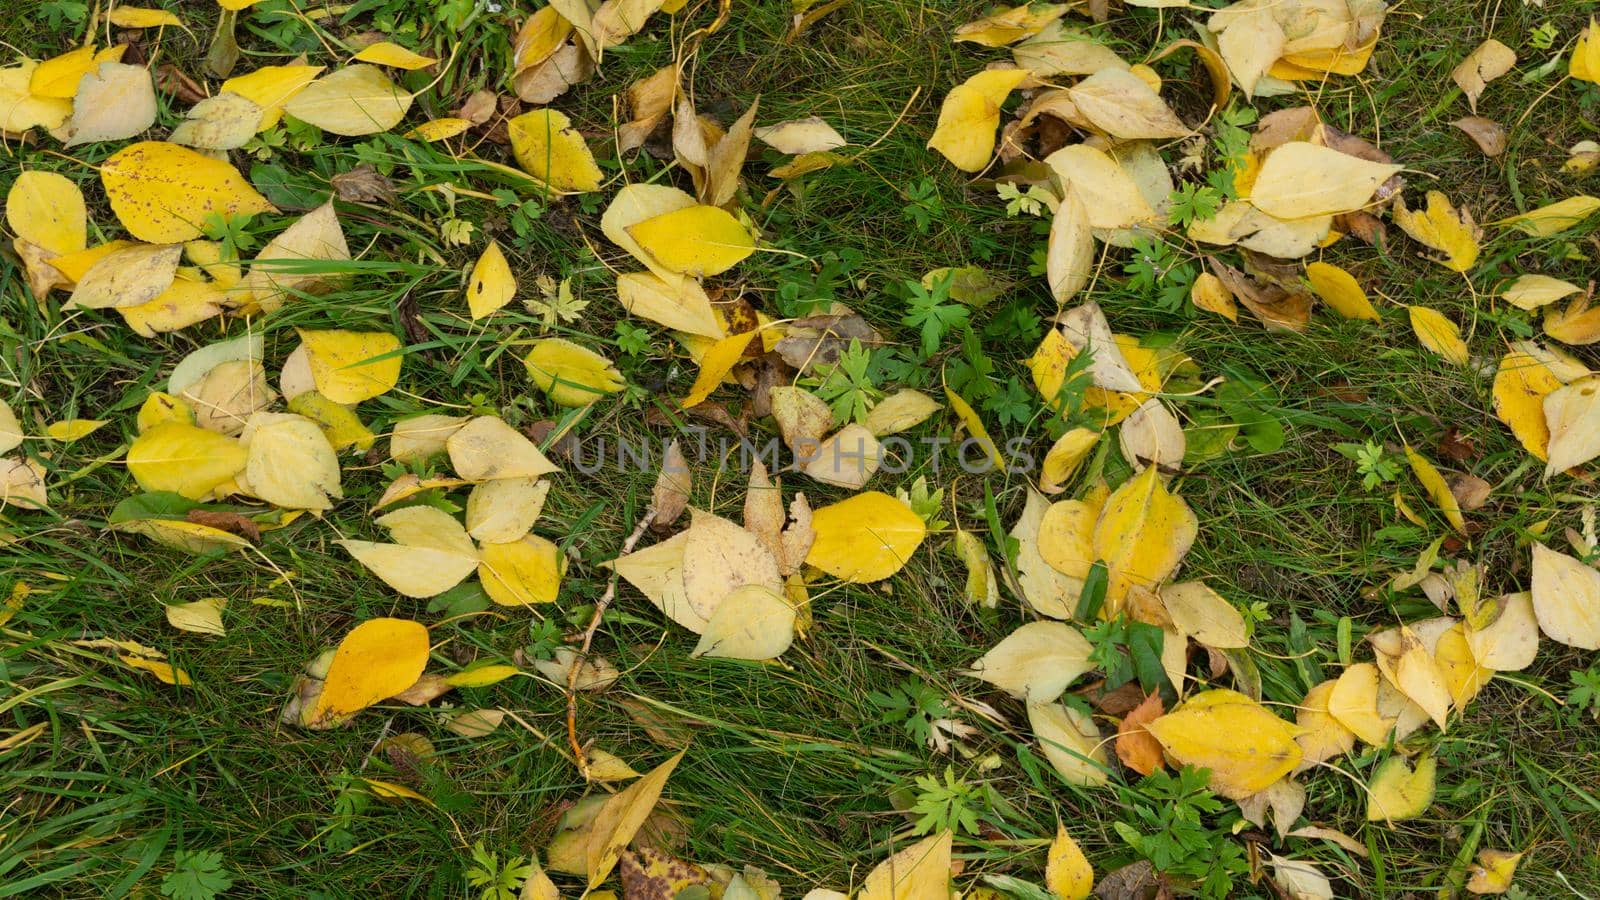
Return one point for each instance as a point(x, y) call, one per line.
point(845, 448)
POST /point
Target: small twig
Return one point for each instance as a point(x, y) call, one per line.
point(578, 756)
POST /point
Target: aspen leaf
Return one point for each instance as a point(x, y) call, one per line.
point(751, 622)
point(1353, 702)
point(48, 210)
point(1246, 747)
point(681, 306)
point(1398, 792)
point(353, 101)
point(140, 17)
point(620, 818)
point(1061, 50)
point(981, 586)
point(551, 150)
point(1340, 290)
point(524, 571)
point(1510, 641)
point(59, 77)
point(502, 510)
point(572, 375)
point(289, 462)
point(864, 538)
point(657, 573)
point(1438, 334)
point(1071, 742)
point(1463, 675)
point(114, 102)
point(847, 459)
point(440, 129)
point(1143, 532)
point(1533, 291)
point(199, 617)
point(919, 872)
point(1119, 103)
point(636, 203)
point(1109, 195)
point(188, 537)
point(1554, 218)
point(1321, 737)
point(431, 554)
point(1488, 61)
point(1210, 294)
point(1036, 662)
point(184, 459)
point(339, 425)
point(376, 660)
point(1493, 871)
point(270, 87)
point(1152, 436)
point(696, 240)
point(1069, 255)
point(1066, 537)
point(1201, 613)
point(386, 53)
point(420, 437)
point(1009, 25)
point(22, 484)
point(595, 672)
point(797, 136)
point(21, 109)
point(163, 193)
point(1437, 489)
point(279, 271)
point(718, 558)
point(1521, 385)
point(1566, 598)
point(1301, 179)
point(718, 361)
point(969, 116)
point(1067, 873)
point(1250, 40)
point(1441, 227)
point(1417, 675)
point(69, 430)
point(129, 277)
point(900, 411)
point(1046, 589)
point(1572, 414)
point(486, 448)
point(346, 364)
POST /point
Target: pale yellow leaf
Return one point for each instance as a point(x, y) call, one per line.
point(1036, 662)
point(386, 53)
point(353, 101)
point(1398, 791)
point(1566, 598)
point(1071, 742)
point(1301, 179)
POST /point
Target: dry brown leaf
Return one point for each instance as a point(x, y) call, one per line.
point(1136, 747)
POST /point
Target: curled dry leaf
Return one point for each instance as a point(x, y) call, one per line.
point(1488, 61)
point(1489, 135)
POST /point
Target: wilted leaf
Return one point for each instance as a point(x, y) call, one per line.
point(620, 818)
point(1399, 792)
point(969, 116)
point(1071, 742)
point(1438, 334)
point(1036, 662)
point(1572, 414)
point(1566, 598)
point(1488, 61)
point(1300, 179)
point(551, 150)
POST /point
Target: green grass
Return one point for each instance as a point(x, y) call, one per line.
point(790, 766)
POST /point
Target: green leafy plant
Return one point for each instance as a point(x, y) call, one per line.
point(1022, 203)
point(913, 705)
point(924, 502)
point(923, 205)
point(1169, 829)
point(848, 386)
point(1585, 694)
point(949, 804)
point(932, 314)
point(631, 339)
point(1128, 650)
point(1157, 272)
point(1194, 203)
point(497, 882)
point(1375, 466)
point(196, 875)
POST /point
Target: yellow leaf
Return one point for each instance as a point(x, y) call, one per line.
point(751, 622)
point(1071, 742)
point(1066, 537)
point(1437, 489)
point(900, 411)
point(1417, 675)
point(345, 366)
point(696, 240)
point(969, 116)
point(981, 586)
point(1067, 873)
point(70, 430)
point(1036, 662)
point(975, 430)
point(1300, 180)
point(1321, 737)
point(1201, 613)
point(522, 572)
point(1488, 61)
point(185, 302)
point(539, 37)
point(798, 137)
point(58, 78)
point(551, 150)
point(1438, 334)
point(1009, 25)
point(1064, 457)
point(657, 573)
point(636, 203)
point(1210, 294)
point(388, 790)
point(681, 306)
point(440, 129)
point(1463, 675)
point(128, 277)
point(1494, 869)
point(1246, 747)
point(491, 284)
point(139, 17)
point(279, 271)
point(376, 660)
point(1340, 290)
point(270, 87)
point(385, 53)
point(1533, 291)
point(289, 462)
point(431, 554)
point(502, 510)
point(1045, 589)
point(1119, 103)
point(481, 676)
point(847, 459)
point(1353, 702)
point(189, 537)
point(1578, 324)
point(486, 448)
point(1142, 534)
point(1398, 792)
point(354, 101)
point(176, 456)
point(47, 209)
point(715, 365)
point(1572, 413)
point(1442, 228)
point(342, 427)
point(10, 428)
point(864, 538)
point(1554, 218)
point(1520, 386)
point(572, 375)
point(1109, 194)
point(200, 617)
point(620, 818)
point(1508, 638)
point(1566, 598)
point(421, 437)
point(1585, 62)
point(162, 193)
point(919, 872)
point(163, 671)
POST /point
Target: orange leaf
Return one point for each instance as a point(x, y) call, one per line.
point(1137, 747)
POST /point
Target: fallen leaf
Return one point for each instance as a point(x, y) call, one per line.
point(550, 149)
point(1493, 871)
point(225, 122)
point(1067, 872)
point(1441, 227)
point(491, 285)
point(289, 462)
point(1398, 792)
point(270, 87)
point(1438, 334)
point(969, 115)
point(1566, 598)
point(376, 660)
point(353, 101)
point(1036, 662)
point(1246, 747)
point(1340, 290)
point(1554, 218)
point(1437, 489)
point(695, 240)
point(570, 374)
point(387, 53)
point(1071, 743)
point(1137, 747)
point(1572, 414)
point(184, 459)
point(486, 448)
point(619, 819)
point(162, 192)
point(1142, 533)
point(1489, 135)
point(1488, 61)
point(1301, 179)
point(865, 538)
point(200, 616)
point(797, 136)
